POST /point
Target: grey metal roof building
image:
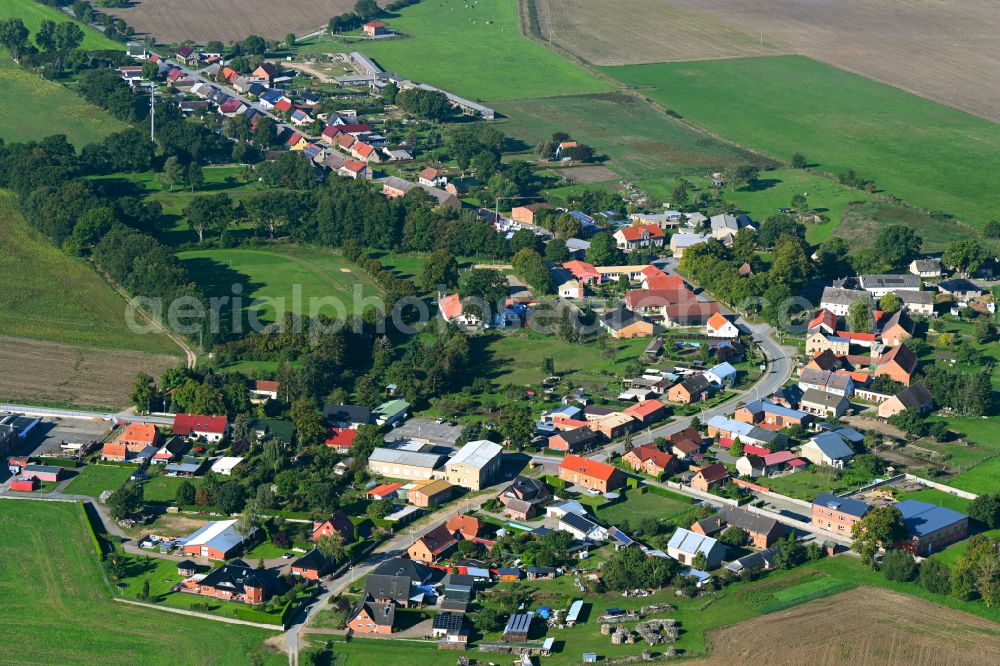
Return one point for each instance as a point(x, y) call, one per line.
point(399, 457)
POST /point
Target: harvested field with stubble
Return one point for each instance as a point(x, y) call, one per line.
point(49, 373)
point(864, 627)
point(939, 49)
point(173, 21)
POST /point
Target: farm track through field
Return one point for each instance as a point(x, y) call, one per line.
point(863, 627)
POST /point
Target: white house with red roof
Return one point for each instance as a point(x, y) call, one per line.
point(639, 235)
point(210, 428)
point(719, 326)
point(452, 310)
point(432, 177)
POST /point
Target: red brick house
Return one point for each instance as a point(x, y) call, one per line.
point(899, 365)
point(432, 545)
point(338, 523)
point(467, 526)
point(710, 477)
point(590, 473)
point(647, 411)
point(526, 214)
point(234, 581)
point(374, 29)
point(573, 440)
point(137, 436)
point(310, 566)
point(649, 459)
point(372, 617)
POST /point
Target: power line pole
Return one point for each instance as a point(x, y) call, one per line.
point(152, 112)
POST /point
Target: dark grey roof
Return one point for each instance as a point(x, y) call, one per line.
point(756, 560)
point(346, 413)
point(311, 560)
point(915, 396)
point(840, 296)
point(903, 281)
point(621, 318)
point(578, 435)
point(846, 505)
point(816, 397)
point(527, 489)
point(750, 522)
point(696, 384)
point(959, 285)
point(235, 577)
point(578, 522)
point(381, 614)
point(399, 566)
point(396, 588)
point(458, 581)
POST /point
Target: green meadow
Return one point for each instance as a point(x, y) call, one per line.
point(929, 155)
point(59, 607)
point(473, 49)
point(284, 277)
point(33, 13)
point(52, 296)
point(32, 108)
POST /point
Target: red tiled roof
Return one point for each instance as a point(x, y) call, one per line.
point(451, 306)
point(362, 149)
point(351, 128)
point(345, 141)
point(140, 433)
point(901, 356)
point(645, 408)
point(650, 452)
point(664, 281)
point(438, 540)
point(655, 298)
point(114, 450)
point(293, 139)
point(283, 105)
point(779, 457)
point(651, 271)
point(265, 385)
point(186, 424)
point(591, 468)
point(330, 131)
point(354, 166)
point(717, 321)
point(467, 526)
point(860, 337)
point(429, 173)
point(374, 24)
point(581, 269)
point(754, 450)
point(824, 317)
point(635, 232)
point(341, 437)
point(384, 490)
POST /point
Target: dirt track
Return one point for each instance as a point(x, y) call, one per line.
point(862, 627)
point(944, 50)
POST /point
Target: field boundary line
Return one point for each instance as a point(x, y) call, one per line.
point(191, 613)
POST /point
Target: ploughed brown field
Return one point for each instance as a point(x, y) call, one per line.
point(944, 50)
point(863, 627)
point(172, 21)
point(50, 373)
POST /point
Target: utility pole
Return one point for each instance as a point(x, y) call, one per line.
point(152, 112)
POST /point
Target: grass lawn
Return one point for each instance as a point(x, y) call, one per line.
point(33, 13)
point(951, 554)
point(637, 507)
point(938, 497)
point(93, 480)
point(164, 488)
point(639, 141)
point(303, 280)
point(804, 485)
point(475, 50)
point(69, 618)
point(32, 108)
point(516, 358)
point(980, 479)
point(776, 188)
point(51, 296)
point(930, 155)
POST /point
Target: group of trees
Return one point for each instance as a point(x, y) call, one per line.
point(428, 104)
point(364, 10)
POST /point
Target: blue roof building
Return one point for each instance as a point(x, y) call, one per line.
point(931, 527)
point(846, 505)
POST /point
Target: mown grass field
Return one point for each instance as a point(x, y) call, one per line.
point(640, 141)
point(93, 480)
point(33, 13)
point(32, 108)
point(60, 609)
point(929, 155)
point(471, 49)
point(638, 507)
point(50, 296)
point(303, 280)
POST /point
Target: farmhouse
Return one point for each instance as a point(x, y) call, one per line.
point(195, 426)
point(926, 268)
point(915, 397)
point(838, 300)
point(685, 545)
point(372, 617)
point(880, 285)
point(432, 545)
point(837, 514)
point(823, 404)
point(709, 477)
point(898, 364)
point(649, 459)
point(374, 29)
point(897, 329)
point(590, 473)
point(761, 530)
point(234, 581)
point(825, 322)
point(216, 540)
point(477, 464)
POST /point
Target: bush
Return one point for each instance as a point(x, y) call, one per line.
point(935, 576)
point(898, 565)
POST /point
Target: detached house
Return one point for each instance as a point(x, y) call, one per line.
point(590, 473)
point(637, 236)
point(827, 448)
point(823, 404)
point(338, 523)
point(719, 326)
point(649, 459)
point(432, 545)
point(235, 581)
point(915, 397)
point(523, 498)
point(210, 428)
point(685, 545)
point(695, 388)
point(709, 477)
point(898, 364)
point(372, 617)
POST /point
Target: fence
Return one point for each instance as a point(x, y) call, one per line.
point(699, 494)
point(876, 484)
point(942, 487)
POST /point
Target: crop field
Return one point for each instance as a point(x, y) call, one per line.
point(174, 21)
point(50, 296)
point(940, 50)
point(293, 279)
point(54, 374)
point(864, 627)
point(628, 32)
point(33, 13)
point(32, 108)
point(473, 49)
point(68, 616)
point(639, 141)
point(929, 155)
